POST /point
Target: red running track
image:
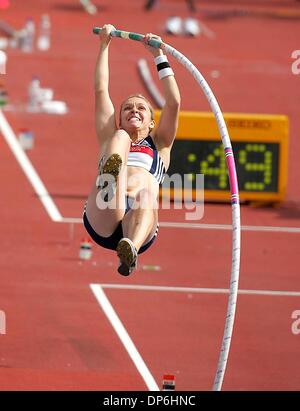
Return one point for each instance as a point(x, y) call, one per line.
point(58, 336)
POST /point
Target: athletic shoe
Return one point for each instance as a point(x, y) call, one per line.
point(127, 254)
point(174, 25)
point(191, 27)
point(111, 167)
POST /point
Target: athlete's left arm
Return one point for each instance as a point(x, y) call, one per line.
point(165, 131)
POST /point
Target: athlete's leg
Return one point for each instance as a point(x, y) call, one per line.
point(104, 216)
point(191, 5)
point(149, 4)
point(139, 224)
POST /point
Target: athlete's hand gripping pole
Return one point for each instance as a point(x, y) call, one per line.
point(132, 36)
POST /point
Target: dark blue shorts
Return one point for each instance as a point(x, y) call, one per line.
point(112, 241)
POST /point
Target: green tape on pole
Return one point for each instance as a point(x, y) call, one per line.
point(136, 36)
point(130, 35)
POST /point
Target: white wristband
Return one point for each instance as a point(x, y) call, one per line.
point(163, 66)
point(160, 59)
point(165, 73)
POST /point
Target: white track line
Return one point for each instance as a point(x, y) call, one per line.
point(199, 290)
point(229, 227)
point(199, 226)
point(29, 170)
point(124, 337)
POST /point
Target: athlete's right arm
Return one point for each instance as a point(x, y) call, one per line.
point(104, 110)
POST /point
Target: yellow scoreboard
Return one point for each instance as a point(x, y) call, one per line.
point(260, 147)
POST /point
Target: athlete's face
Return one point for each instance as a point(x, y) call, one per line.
point(136, 115)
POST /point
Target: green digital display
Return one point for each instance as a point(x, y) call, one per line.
point(257, 164)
